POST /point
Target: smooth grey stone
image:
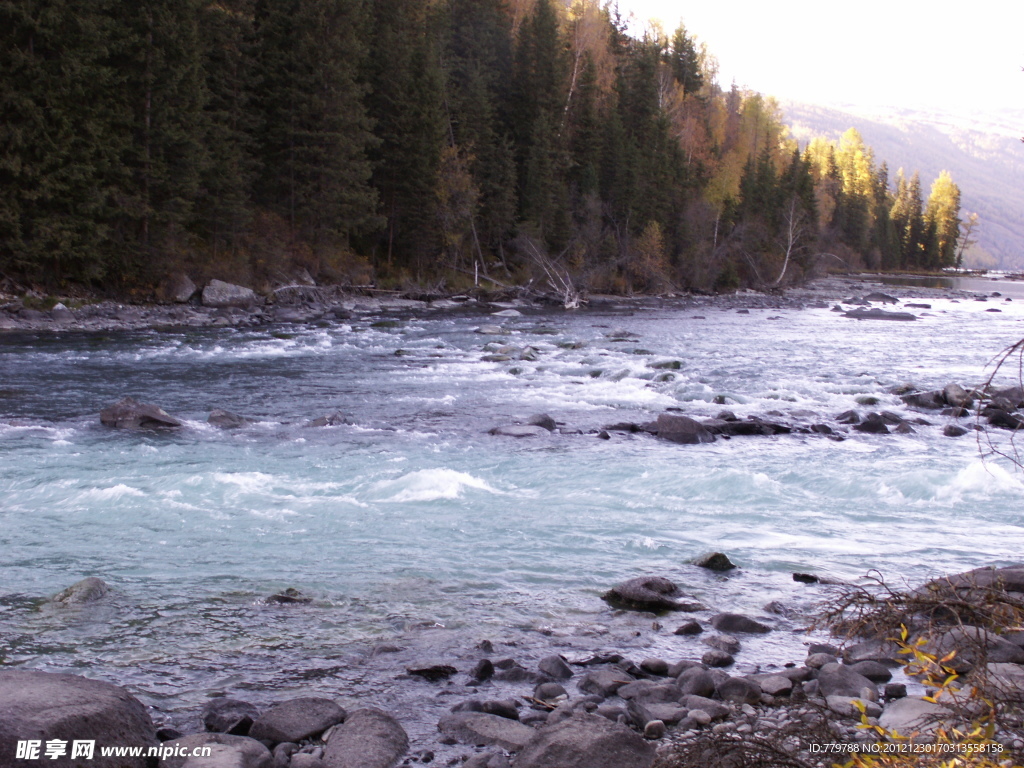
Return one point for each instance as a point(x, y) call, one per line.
point(296, 719)
point(369, 738)
point(227, 751)
point(555, 667)
point(45, 706)
point(483, 730)
point(909, 715)
point(585, 741)
point(841, 680)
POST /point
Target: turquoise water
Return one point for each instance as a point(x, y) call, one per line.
point(412, 525)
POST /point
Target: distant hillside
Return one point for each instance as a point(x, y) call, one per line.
point(985, 156)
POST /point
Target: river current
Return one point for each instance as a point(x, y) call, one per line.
point(410, 525)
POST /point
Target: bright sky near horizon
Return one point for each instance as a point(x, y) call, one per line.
point(909, 53)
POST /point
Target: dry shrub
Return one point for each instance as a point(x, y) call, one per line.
point(729, 750)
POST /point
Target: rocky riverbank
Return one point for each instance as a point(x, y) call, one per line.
point(605, 710)
point(221, 304)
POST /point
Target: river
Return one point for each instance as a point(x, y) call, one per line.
point(411, 525)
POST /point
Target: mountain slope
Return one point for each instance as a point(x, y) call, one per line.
point(985, 156)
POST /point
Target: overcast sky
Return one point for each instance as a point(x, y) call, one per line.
point(915, 53)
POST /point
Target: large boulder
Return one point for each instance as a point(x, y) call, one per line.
point(369, 738)
point(585, 741)
point(296, 719)
point(219, 294)
point(697, 681)
point(480, 729)
point(604, 682)
point(932, 401)
point(912, 715)
point(41, 706)
point(129, 413)
point(973, 645)
point(177, 288)
point(682, 429)
point(225, 751)
point(1005, 681)
point(841, 680)
point(980, 585)
point(645, 593)
point(957, 396)
point(225, 715)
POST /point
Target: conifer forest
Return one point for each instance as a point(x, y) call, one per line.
point(426, 143)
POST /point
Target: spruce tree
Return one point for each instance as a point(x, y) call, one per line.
point(231, 121)
point(478, 57)
point(60, 140)
point(405, 103)
point(539, 83)
point(161, 96)
point(314, 131)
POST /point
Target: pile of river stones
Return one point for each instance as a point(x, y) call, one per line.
point(604, 711)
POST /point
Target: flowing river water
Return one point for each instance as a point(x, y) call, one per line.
point(410, 526)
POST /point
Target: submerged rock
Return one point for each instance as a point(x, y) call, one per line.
point(129, 413)
point(519, 430)
point(878, 314)
point(872, 423)
point(714, 561)
point(335, 419)
point(227, 420)
point(289, 596)
point(682, 429)
point(432, 671)
point(88, 590)
point(933, 401)
point(645, 593)
point(737, 622)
